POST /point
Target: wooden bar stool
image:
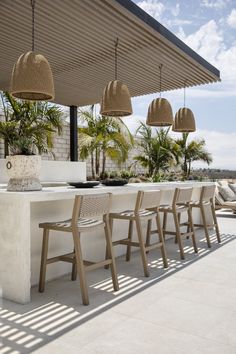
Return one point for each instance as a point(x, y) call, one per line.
point(180, 204)
point(146, 208)
point(207, 200)
point(90, 212)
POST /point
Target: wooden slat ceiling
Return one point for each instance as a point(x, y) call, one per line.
point(77, 37)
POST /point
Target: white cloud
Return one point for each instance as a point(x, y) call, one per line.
point(231, 19)
point(154, 8)
point(208, 41)
point(216, 4)
point(175, 10)
point(159, 11)
point(177, 22)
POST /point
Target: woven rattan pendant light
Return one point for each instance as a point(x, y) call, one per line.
point(31, 75)
point(184, 120)
point(116, 99)
point(159, 111)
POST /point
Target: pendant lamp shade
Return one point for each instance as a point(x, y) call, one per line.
point(116, 100)
point(184, 121)
point(159, 113)
point(32, 78)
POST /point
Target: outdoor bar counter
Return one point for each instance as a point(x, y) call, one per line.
point(21, 238)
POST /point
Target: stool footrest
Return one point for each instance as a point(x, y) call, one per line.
point(154, 232)
point(190, 233)
point(153, 245)
point(184, 223)
point(94, 265)
point(69, 257)
point(208, 225)
point(174, 233)
point(126, 242)
point(165, 232)
point(123, 241)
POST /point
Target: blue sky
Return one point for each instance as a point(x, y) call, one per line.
point(208, 27)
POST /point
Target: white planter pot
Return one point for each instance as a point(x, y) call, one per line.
point(23, 172)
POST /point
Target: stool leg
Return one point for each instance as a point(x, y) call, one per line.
point(190, 220)
point(142, 247)
point(161, 239)
point(130, 234)
point(179, 218)
point(215, 222)
point(74, 270)
point(148, 235)
point(111, 254)
point(205, 225)
point(178, 234)
point(43, 260)
point(188, 227)
point(111, 230)
point(204, 222)
point(80, 267)
point(164, 224)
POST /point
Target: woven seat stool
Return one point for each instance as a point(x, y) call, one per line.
point(146, 208)
point(180, 204)
point(207, 200)
point(90, 212)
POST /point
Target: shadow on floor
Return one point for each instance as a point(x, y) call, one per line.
point(25, 328)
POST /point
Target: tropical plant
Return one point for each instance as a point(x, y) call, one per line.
point(29, 126)
point(192, 151)
point(158, 152)
point(103, 137)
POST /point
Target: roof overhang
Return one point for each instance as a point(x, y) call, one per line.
point(77, 37)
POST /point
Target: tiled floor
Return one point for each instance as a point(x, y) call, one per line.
point(188, 309)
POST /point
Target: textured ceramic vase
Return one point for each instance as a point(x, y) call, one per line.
point(23, 172)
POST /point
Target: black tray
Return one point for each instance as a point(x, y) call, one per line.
point(114, 182)
point(87, 184)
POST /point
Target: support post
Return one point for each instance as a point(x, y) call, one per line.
point(73, 134)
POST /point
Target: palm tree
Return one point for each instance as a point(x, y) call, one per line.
point(159, 152)
point(103, 137)
point(29, 126)
point(88, 144)
point(146, 147)
point(193, 151)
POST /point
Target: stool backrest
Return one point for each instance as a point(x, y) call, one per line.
point(182, 195)
point(207, 193)
point(147, 200)
point(91, 206)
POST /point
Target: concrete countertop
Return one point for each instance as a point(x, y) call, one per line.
point(68, 192)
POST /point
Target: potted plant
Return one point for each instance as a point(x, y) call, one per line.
point(114, 178)
point(27, 132)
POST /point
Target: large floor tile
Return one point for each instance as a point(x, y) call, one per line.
point(216, 295)
point(184, 315)
point(138, 337)
point(224, 331)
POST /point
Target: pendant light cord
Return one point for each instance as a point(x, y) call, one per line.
point(160, 67)
point(184, 95)
point(116, 64)
point(33, 17)
point(185, 82)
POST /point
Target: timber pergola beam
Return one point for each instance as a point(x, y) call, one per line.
point(77, 37)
